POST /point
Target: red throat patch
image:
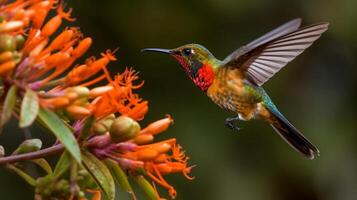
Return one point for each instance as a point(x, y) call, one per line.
point(205, 77)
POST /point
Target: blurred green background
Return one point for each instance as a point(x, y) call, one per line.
point(316, 92)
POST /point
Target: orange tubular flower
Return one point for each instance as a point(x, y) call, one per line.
point(121, 98)
point(156, 159)
point(104, 119)
point(38, 62)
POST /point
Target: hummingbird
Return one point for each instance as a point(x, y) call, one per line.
point(235, 83)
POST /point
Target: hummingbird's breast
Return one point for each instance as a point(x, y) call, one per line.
point(229, 91)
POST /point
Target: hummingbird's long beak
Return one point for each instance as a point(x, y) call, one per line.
point(165, 51)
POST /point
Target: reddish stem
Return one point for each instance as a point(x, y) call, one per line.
point(32, 155)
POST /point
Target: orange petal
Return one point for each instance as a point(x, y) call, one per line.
point(147, 154)
point(7, 67)
point(61, 40)
point(82, 47)
point(11, 26)
point(143, 139)
point(158, 126)
point(57, 102)
point(100, 90)
point(78, 111)
point(57, 59)
point(6, 56)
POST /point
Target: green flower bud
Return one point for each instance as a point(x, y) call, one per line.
point(20, 41)
point(81, 194)
point(81, 91)
point(102, 126)
point(28, 146)
point(7, 42)
point(124, 128)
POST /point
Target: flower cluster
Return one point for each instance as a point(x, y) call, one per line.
point(41, 64)
point(133, 150)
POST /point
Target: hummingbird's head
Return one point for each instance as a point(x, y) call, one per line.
point(198, 63)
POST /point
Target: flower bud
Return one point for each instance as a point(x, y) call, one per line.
point(11, 26)
point(20, 41)
point(7, 67)
point(100, 90)
point(77, 112)
point(99, 141)
point(158, 126)
point(124, 128)
point(6, 56)
point(28, 146)
point(143, 139)
point(102, 126)
point(71, 95)
point(57, 102)
point(7, 42)
point(80, 101)
point(81, 194)
point(80, 90)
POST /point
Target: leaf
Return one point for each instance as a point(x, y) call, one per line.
point(61, 131)
point(9, 104)
point(146, 186)
point(22, 174)
point(41, 162)
point(29, 108)
point(62, 164)
point(120, 176)
point(28, 146)
point(100, 173)
point(86, 128)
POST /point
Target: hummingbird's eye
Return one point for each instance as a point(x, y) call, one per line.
point(187, 52)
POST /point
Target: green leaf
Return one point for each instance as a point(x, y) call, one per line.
point(22, 174)
point(146, 187)
point(27, 146)
point(29, 108)
point(62, 164)
point(9, 104)
point(61, 131)
point(100, 173)
point(86, 128)
point(120, 176)
point(41, 162)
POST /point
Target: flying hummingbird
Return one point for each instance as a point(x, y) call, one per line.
point(235, 83)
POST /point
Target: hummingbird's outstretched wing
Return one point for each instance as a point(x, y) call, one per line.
point(265, 56)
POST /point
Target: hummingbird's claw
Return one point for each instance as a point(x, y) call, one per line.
point(232, 126)
point(229, 122)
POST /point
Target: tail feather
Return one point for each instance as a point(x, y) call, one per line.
point(291, 135)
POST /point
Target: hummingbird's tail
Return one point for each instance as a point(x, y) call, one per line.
point(290, 134)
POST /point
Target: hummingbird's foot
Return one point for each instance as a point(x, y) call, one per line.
point(229, 122)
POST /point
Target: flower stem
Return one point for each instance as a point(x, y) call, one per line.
point(33, 155)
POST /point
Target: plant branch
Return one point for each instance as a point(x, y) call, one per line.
point(32, 155)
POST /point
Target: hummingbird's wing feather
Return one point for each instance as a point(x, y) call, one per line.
point(284, 29)
point(262, 60)
point(277, 32)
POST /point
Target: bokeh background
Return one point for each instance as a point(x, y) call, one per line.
point(317, 92)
